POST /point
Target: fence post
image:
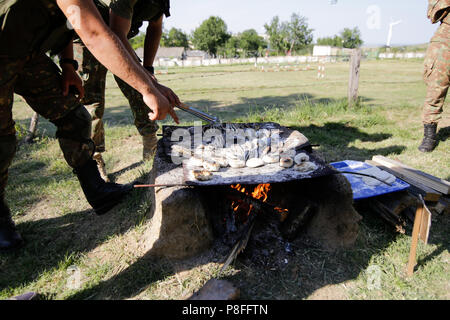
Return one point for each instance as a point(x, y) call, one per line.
point(353, 83)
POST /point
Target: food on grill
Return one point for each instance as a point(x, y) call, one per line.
point(211, 166)
point(286, 162)
point(263, 133)
point(271, 158)
point(236, 152)
point(306, 167)
point(264, 151)
point(301, 157)
point(223, 162)
point(180, 150)
point(236, 163)
point(288, 153)
point(202, 175)
point(195, 162)
point(255, 163)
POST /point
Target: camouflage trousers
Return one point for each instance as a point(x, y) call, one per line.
point(94, 76)
point(38, 80)
point(436, 77)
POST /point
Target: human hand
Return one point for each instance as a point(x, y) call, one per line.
point(160, 107)
point(71, 78)
point(169, 94)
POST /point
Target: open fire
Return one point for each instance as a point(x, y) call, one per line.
point(243, 209)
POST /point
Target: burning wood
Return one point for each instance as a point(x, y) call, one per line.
point(260, 193)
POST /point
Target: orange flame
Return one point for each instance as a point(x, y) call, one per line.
point(260, 192)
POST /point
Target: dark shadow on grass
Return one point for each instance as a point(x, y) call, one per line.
point(59, 242)
point(443, 134)
point(335, 139)
point(113, 176)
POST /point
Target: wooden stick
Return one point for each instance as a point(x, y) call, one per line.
point(33, 127)
point(159, 185)
point(414, 241)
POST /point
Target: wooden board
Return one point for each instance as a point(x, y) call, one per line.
point(428, 193)
point(414, 241)
point(423, 178)
point(425, 225)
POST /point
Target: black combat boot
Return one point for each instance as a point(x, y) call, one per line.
point(429, 141)
point(102, 196)
point(10, 239)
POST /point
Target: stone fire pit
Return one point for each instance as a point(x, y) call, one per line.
point(186, 220)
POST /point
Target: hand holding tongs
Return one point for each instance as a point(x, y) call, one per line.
point(199, 114)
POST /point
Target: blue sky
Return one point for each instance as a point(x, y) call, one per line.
point(371, 16)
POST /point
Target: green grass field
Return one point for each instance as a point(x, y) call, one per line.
point(61, 230)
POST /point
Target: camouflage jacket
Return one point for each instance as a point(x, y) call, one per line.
point(30, 26)
point(137, 11)
point(438, 10)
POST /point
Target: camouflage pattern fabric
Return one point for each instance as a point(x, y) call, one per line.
point(94, 76)
point(38, 80)
point(437, 10)
point(437, 73)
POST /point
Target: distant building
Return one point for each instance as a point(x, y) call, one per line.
point(325, 51)
point(329, 51)
point(171, 53)
point(165, 53)
point(197, 55)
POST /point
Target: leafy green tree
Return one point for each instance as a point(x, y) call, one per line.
point(211, 35)
point(298, 32)
point(138, 41)
point(251, 43)
point(276, 33)
point(291, 35)
point(231, 48)
point(351, 38)
point(174, 38)
point(335, 41)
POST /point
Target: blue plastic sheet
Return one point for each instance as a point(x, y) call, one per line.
point(362, 190)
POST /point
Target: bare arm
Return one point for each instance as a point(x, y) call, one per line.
point(121, 27)
point(152, 40)
point(110, 51)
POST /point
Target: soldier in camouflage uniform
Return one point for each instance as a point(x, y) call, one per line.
point(437, 72)
point(94, 74)
point(25, 69)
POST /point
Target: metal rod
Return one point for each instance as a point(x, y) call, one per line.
point(199, 114)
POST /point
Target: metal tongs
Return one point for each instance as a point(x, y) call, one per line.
point(199, 114)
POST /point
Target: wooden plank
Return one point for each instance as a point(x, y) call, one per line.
point(414, 241)
point(353, 82)
point(435, 183)
point(428, 193)
point(425, 225)
point(433, 196)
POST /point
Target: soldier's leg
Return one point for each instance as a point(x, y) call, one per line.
point(40, 85)
point(94, 75)
point(436, 77)
point(9, 237)
point(147, 128)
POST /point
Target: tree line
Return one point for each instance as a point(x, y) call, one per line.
point(283, 37)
